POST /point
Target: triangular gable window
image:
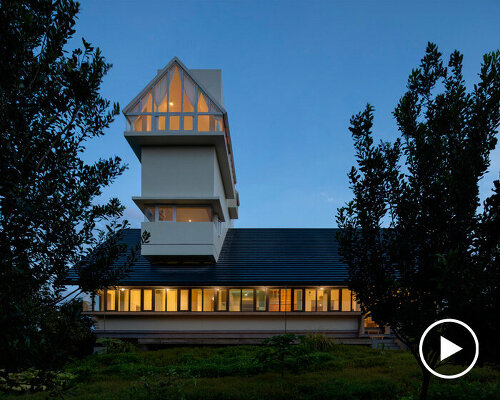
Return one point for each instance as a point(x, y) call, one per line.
point(175, 103)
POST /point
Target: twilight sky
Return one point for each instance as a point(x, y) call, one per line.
point(293, 74)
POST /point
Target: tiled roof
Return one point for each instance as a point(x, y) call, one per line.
point(251, 257)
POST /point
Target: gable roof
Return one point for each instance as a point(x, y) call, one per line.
point(250, 257)
point(161, 74)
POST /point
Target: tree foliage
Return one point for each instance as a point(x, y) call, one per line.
point(417, 247)
point(50, 219)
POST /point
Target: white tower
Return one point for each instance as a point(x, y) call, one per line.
point(179, 130)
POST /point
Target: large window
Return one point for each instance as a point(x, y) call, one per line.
point(175, 103)
point(178, 213)
point(223, 299)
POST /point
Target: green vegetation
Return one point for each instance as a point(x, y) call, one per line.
point(243, 372)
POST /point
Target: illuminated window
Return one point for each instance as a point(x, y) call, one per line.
point(247, 300)
point(148, 299)
point(161, 96)
point(202, 103)
point(346, 300)
point(174, 90)
point(159, 299)
point(135, 300)
point(203, 123)
point(189, 98)
point(260, 300)
point(175, 103)
point(354, 304)
point(222, 300)
point(322, 300)
point(274, 299)
point(174, 123)
point(335, 299)
point(110, 300)
point(310, 300)
point(235, 300)
point(184, 300)
point(165, 213)
point(298, 300)
point(208, 299)
point(160, 123)
point(188, 123)
point(286, 300)
point(196, 300)
point(171, 299)
point(194, 214)
point(123, 295)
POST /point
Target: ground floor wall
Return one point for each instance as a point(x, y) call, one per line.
point(213, 328)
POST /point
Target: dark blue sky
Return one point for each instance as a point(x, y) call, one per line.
point(293, 74)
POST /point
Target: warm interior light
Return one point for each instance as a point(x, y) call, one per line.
point(122, 289)
point(171, 103)
point(189, 220)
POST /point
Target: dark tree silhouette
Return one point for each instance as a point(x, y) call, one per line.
point(436, 253)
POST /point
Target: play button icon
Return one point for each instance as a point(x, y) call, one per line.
point(448, 348)
point(454, 341)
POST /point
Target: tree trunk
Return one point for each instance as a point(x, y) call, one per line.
point(425, 384)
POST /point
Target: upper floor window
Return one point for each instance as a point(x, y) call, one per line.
point(175, 103)
point(178, 213)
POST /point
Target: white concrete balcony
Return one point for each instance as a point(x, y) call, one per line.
point(181, 240)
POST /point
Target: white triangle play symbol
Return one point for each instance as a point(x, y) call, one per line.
point(448, 348)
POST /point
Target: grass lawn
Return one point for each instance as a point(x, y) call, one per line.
point(238, 372)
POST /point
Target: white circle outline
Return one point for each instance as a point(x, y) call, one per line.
point(421, 345)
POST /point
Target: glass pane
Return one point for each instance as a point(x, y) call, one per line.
point(222, 300)
point(149, 213)
point(208, 299)
point(184, 303)
point(260, 296)
point(286, 300)
point(310, 300)
point(142, 123)
point(161, 95)
point(160, 123)
point(175, 123)
point(234, 299)
point(110, 300)
point(196, 300)
point(211, 123)
point(322, 300)
point(203, 123)
point(247, 300)
point(148, 299)
point(274, 299)
point(159, 299)
point(355, 304)
point(334, 300)
point(174, 101)
point(86, 302)
point(298, 299)
point(147, 103)
point(188, 123)
point(171, 299)
point(219, 125)
point(202, 103)
point(123, 300)
point(135, 300)
point(194, 214)
point(165, 213)
point(99, 301)
point(346, 300)
point(189, 96)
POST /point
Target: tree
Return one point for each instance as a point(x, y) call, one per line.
point(416, 247)
point(50, 107)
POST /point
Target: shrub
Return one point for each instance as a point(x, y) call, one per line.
point(116, 345)
point(317, 342)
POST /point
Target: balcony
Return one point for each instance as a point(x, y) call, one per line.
point(188, 241)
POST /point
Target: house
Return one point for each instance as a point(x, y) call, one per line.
point(198, 279)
